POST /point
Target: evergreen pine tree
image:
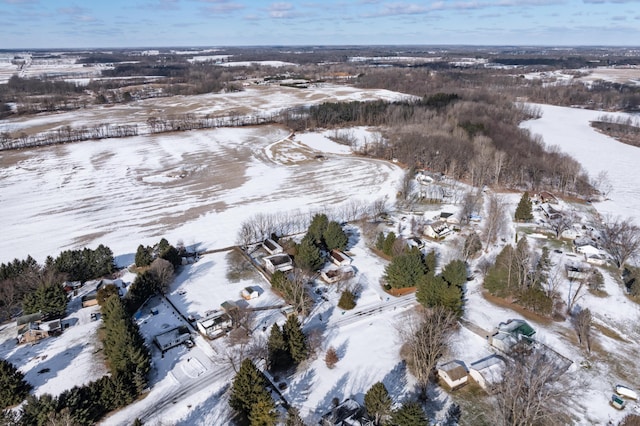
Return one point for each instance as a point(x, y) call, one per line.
point(334, 237)
point(13, 387)
point(499, 277)
point(430, 262)
point(263, 411)
point(317, 228)
point(296, 339)
point(278, 349)
point(347, 300)
point(389, 241)
point(293, 417)
point(405, 270)
point(380, 241)
point(410, 414)
point(247, 385)
point(309, 257)
point(37, 410)
point(144, 256)
point(377, 402)
point(49, 298)
point(524, 211)
point(455, 273)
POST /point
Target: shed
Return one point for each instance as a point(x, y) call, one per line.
point(339, 258)
point(454, 374)
point(488, 371)
point(437, 230)
point(272, 247)
point(249, 293)
point(90, 299)
point(348, 412)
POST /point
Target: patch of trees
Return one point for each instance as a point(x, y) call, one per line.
point(250, 398)
point(475, 138)
point(129, 361)
point(322, 235)
point(293, 289)
point(631, 278)
point(626, 130)
point(85, 264)
point(145, 255)
point(516, 275)
point(288, 345)
point(13, 388)
point(444, 290)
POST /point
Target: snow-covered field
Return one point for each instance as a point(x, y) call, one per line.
point(199, 186)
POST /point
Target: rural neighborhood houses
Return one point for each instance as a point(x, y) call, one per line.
point(488, 372)
point(32, 328)
point(510, 333)
point(339, 258)
point(172, 338)
point(437, 230)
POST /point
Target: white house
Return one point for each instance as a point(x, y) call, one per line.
point(339, 258)
point(172, 338)
point(596, 259)
point(488, 372)
point(272, 247)
point(278, 262)
point(249, 293)
point(509, 333)
point(415, 242)
point(578, 272)
point(215, 325)
point(454, 374)
point(588, 249)
point(437, 230)
point(333, 275)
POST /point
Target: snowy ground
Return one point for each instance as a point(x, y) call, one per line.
point(199, 186)
point(126, 192)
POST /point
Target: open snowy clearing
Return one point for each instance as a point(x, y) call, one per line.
point(196, 186)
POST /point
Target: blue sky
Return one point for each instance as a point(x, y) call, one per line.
point(146, 23)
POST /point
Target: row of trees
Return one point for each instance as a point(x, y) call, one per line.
point(288, 345)
point(263, 225)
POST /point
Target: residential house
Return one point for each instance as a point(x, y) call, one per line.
point(249, 293)
point(172, 338)
point(338, 258)
point(347, 413)
point(437, 230)
point(488, 372)
point(272, 247)
point(415, 242)
point(579, 272)
point(278, 262)
point(587, 249)
point(454, 374)
point(510, 333)
point(596, 259)
point(333, 275)
point(449, 218)
point(550, 212)
point(37, 330)
point(90, 299)
point(215, 325)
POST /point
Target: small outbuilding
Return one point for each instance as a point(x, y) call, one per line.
point(249, 293)
point(488, 372)
point(454, 374)
point(339, 258)
point(272, 247)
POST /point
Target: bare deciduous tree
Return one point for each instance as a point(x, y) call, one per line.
point(582, 324)
point(471, 203)
point(621, 239)
point(164, 272)
point(495, 220)
point(425, 340)
point(576, 291)
point(530, 391)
